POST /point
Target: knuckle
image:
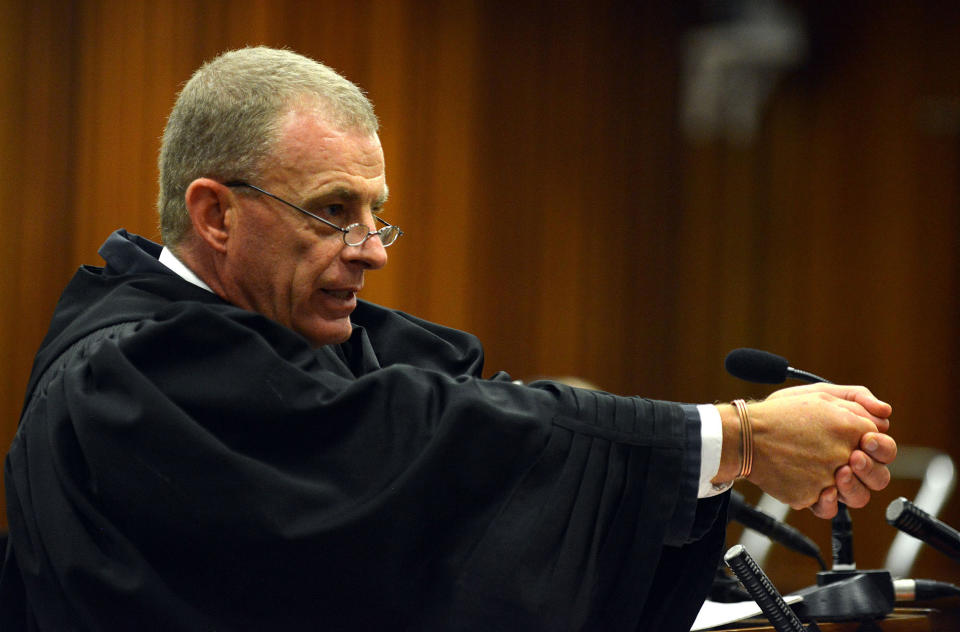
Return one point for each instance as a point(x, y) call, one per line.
point(881, 478)
point(858, 499)
point(893, 449)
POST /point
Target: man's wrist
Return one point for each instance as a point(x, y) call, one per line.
point(730, 458)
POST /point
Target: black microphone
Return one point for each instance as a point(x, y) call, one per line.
point(763, 591)
point(763, 367)
point(912, 520)
point(752, 518)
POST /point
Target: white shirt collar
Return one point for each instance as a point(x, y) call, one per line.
point(170, 260)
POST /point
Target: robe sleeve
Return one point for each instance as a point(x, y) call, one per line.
point(210, 472)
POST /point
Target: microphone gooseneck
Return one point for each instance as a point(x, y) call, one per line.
point(752, 518)
point(806, 376)
point(841, 540)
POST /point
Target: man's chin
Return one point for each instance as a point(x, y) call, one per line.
point(328, 332)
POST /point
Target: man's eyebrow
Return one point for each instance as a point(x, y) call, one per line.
point(382, 198)
point(347, 195)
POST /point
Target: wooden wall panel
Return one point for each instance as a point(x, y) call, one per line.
point(36, 196)
point(551, 203)
point(12, 380)
point(430, 88)
point(576, 192)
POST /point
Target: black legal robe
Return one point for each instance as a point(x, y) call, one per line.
point(182, 464)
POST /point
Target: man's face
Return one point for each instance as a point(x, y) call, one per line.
point(289, 266)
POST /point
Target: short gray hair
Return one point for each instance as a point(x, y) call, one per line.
point(226, 120)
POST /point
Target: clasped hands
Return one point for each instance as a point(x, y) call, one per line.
point(819, 444)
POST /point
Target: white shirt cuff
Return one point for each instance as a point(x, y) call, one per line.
point(711, 444)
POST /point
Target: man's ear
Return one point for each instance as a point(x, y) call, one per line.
point(208, 202)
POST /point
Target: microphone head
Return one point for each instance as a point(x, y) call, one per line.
point(904, 515)
point(895, 509)
point(735, 551)
point(754, 365)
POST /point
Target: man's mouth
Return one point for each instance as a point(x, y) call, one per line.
point(344, 295)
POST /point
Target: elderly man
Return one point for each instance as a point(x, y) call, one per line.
point(218, 435)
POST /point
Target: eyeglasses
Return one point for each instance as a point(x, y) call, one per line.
point(353, 235)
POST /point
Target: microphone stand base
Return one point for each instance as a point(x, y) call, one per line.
point(847, 596)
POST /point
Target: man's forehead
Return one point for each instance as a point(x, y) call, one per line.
point(305, 117)
point(329, 158)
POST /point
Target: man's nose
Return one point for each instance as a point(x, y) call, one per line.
point(371, 253)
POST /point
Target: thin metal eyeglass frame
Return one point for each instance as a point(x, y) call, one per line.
point(379, 233)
